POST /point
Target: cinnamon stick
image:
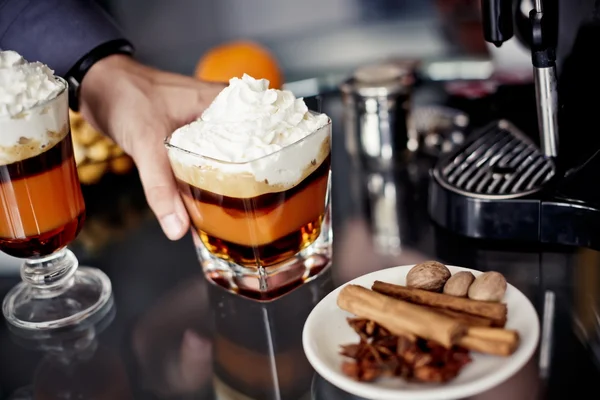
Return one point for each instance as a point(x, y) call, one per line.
point(398, 316)
point(467, 319)
point(485, 346)
point(495, 334)
point(495, 341)
point(494, 311)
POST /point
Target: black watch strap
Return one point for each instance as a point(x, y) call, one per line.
point(76, 74)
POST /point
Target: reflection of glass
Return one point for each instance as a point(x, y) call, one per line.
point(391, 204)
point(254, 236)
point(171, 342)
point(384, 213)
point(586, 301)
point(41, 212)
point(257, 346)
point(75, 364)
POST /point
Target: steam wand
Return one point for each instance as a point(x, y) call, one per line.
point(544, 68)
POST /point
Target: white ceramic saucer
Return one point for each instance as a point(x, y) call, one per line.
point(326, 329)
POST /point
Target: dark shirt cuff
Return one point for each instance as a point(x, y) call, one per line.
point(58, 33)
point(77, 73)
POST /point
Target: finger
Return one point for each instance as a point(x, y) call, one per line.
point(160, 188)
point(193, 97)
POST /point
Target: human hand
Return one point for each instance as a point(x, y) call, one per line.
point(138, 107)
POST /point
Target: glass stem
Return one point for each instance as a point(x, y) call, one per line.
point(51, 275)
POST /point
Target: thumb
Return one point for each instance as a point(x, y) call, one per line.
point(160, 187)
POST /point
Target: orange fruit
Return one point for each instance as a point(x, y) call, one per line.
point(237, 58)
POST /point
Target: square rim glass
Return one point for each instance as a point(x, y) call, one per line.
point(323, 149)
point(171, 146)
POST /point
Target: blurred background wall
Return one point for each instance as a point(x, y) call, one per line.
point(308, 37)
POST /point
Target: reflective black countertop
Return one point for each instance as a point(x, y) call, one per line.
point(172, 335)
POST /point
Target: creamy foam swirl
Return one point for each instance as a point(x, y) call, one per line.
point(252, 129)
point(24, 85)
point(247, 120)
point(27, 130)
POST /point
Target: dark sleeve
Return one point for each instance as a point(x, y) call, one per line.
point(56, 32)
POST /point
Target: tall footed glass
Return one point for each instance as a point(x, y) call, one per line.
point(261, 227)
point(41, 212)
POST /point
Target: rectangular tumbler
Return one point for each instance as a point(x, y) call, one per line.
point(260, 227)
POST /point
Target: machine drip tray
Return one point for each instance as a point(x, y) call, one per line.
point(499, 162)
point(500, 186)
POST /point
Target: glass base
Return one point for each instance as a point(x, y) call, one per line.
point(29, 307)
point(266, 283)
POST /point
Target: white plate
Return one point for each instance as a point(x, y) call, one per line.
point(326, 329)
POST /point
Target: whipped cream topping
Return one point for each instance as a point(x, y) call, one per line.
point(25, 129)
point(248, 121)
point(23, 84)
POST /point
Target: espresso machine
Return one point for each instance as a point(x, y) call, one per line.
point(506, 184)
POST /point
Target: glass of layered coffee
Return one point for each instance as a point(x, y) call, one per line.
point(41, 204)
point(254, 174)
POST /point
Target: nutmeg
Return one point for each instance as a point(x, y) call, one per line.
point(459, 283)
point(429, 275)
point(489, 286)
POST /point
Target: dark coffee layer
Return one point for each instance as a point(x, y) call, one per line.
point(258, 204)
point(51, 158)
point(264, 255)
point(43, 244)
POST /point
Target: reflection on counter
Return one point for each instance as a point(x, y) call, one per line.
point(258, 345)
point(384, 209)
point(586, 298)
point(75, 365)
point(202, 341)
point(172, 345)
point(389, 198)
point(114, 207)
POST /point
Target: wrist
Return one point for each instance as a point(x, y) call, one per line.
point(83, 67)
point(103, 76)
point(104, 71)
point(102, 85)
